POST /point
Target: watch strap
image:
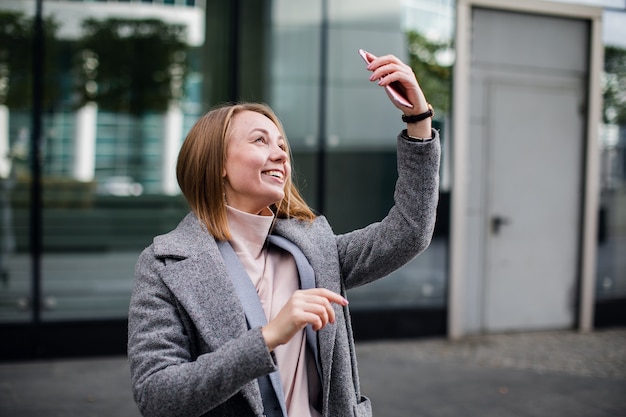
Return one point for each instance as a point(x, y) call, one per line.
point(414, 118)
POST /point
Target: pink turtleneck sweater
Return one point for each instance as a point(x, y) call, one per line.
point(275, 277)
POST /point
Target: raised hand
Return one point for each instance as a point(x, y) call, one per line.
point(388, 70)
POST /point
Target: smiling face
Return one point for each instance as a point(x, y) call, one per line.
point(257, 164)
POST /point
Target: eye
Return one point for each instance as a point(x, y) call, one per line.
point(283, 147)
point(260, 139)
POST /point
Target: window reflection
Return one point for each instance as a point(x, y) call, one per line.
point(118, 96)
point(361, 126)
point(611, 265)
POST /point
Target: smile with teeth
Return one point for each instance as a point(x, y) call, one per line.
point(275, 174)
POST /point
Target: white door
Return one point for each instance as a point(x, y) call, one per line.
point(531, 79)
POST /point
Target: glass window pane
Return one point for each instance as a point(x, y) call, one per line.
point(16, 33)
point(362, 138)
point(611, 264)
point(119, 95)
point(359, 140)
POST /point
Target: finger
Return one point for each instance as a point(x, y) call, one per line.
point(369, 57)
point(330, 311)
point(315, 320)
point(386, 60)
point(376, 61)
point(402, 75)
point(317, 324)
point(331, 296)
point(383, 71)
point(322, 306)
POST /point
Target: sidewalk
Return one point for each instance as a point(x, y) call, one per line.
point(518, 375)
point(560, 373)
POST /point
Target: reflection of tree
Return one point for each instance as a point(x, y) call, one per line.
point(614, 118)
point(612, 222)
point(614, 93)
point(16, 60)
point(16, 90)
point(131, 66)
point(432, 64)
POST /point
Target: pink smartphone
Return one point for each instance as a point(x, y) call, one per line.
point(394, 89)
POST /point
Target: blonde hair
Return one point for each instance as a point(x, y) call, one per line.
point(201, 162)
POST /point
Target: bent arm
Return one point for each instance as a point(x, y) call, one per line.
point(377, 250)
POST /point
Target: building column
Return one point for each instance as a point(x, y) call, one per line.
point(85, 143)
point(171, 144)
point(5, 160)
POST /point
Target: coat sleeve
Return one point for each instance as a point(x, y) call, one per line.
point(377, 250)
point(168, 378)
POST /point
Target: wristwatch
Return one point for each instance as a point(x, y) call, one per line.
point(419, 117)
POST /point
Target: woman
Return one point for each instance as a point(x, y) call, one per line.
point(241, 310)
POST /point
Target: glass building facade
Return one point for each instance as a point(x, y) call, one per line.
point(97, 96)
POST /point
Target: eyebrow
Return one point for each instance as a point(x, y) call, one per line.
point(266, 132)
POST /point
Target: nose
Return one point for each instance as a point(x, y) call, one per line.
point(279, 154)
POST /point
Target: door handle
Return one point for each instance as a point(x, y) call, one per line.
point(497, 222)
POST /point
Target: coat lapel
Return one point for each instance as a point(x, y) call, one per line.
point(270, 385)
point(322, 255)
point(200, 282)
point(202, 287)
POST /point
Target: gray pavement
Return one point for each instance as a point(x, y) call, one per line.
point(554, 373)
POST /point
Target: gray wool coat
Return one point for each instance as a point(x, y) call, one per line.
point(189, 347)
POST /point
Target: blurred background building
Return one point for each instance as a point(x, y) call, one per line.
point(97, 96)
